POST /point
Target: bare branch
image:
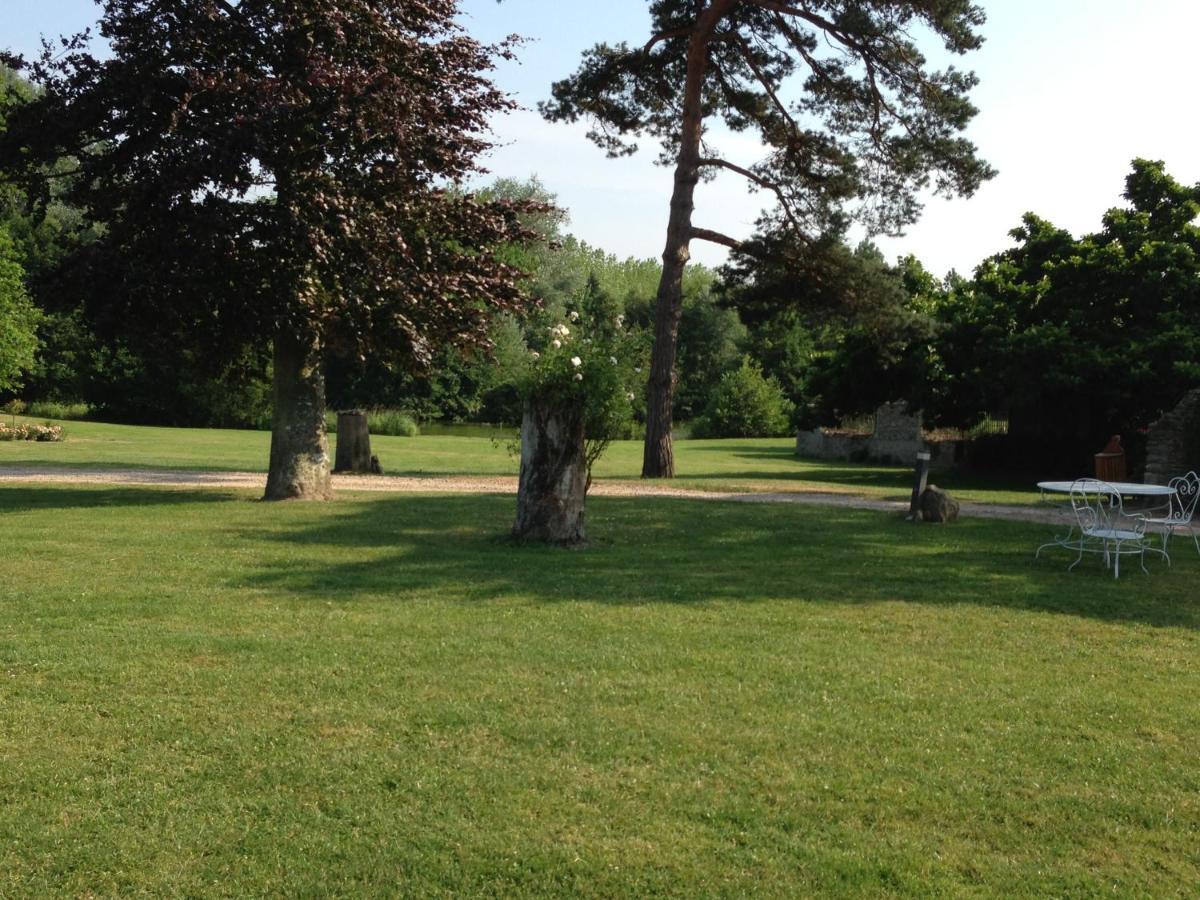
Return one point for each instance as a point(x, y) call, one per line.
point(715, 237)
point(665, 36)
point(769, 185)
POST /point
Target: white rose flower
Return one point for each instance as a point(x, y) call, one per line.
point(576, 361)
point(638, 370)
point(574, 316)
point(535, 354)
point(629, 396)
point(579, 376)
point(556, 344)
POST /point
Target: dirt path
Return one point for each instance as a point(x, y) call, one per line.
point(472, 484)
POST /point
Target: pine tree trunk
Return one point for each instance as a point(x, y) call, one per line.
point(299, 452)
point(553, 485)
point(353, 443)
point(658, 457)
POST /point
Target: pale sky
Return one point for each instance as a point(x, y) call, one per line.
point(1070, 92)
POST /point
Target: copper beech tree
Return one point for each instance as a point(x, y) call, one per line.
point(280, 171)
point(853, 120)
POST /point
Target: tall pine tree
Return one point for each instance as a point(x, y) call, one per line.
point(853, 121)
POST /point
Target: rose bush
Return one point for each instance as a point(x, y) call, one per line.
point(24, 432)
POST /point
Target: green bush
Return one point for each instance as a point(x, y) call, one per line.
point(49, 409)
point(394, 422)
point(745, 404)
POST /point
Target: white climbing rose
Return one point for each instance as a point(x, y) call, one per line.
point(576, 361)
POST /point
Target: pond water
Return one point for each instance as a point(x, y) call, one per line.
point(469, 429)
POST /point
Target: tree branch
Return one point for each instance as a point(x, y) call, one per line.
point(714, 237)
point(665, 36)
point(769, 185)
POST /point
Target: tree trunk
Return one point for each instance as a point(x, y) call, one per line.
point(553, 484)
point(658, 458)
point(353, 443)
point(299, 453)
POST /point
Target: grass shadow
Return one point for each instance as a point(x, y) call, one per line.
point(695, 552)
point(24, 498)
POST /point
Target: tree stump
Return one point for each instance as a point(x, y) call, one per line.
point(353, 443)
point(553, 485)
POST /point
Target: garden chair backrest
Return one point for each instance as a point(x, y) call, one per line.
point(1098, 507)
point(1183, 501)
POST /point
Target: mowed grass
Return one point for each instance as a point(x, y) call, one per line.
point(204, 694)
point(768, 464)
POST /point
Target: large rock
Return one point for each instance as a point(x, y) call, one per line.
point(937, 506)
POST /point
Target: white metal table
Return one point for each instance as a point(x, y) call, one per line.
point(1090, 485)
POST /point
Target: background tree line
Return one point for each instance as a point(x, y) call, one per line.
point(1068, 339)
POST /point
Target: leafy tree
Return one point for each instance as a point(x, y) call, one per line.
point(839, 327)
point(273, 171)
point(1078, 339)
point(745, 404)
point(872, 124)
point(18, 317)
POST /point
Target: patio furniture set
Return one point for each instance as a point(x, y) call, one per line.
point(1101, 524)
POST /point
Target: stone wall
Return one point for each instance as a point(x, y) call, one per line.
point(897, 436)
point(896, 440)
point(1173, 444)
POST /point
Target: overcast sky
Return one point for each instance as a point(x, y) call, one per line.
point(1070, 92)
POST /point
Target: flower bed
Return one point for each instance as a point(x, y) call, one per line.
point(30, 432)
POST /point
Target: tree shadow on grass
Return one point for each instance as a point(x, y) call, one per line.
point(26, 498)
point(691, 552)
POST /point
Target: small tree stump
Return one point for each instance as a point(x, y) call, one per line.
point(553, 485)
point(353, 443)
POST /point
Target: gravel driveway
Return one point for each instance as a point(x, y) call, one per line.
point(489, 485)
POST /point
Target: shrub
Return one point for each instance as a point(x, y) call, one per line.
point(592, 362)
point(22, 432)
point(395, 422)
point(745, 404)
point(392, 422)
point(50, 409)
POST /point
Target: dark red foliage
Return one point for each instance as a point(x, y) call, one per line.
point(280, 163)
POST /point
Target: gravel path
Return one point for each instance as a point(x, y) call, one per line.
point(491, 485)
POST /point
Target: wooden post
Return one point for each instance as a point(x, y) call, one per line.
point(920, 477)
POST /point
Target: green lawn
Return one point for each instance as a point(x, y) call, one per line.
point(203, 694)
point(739, 465)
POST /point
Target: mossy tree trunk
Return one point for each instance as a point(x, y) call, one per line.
point(554, 472)
point(299, 452)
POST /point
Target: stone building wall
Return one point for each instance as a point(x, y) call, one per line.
point(1173, 444)
point(897, 439)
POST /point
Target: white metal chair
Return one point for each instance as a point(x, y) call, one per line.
point(1181, 506)
point(1104, 526)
